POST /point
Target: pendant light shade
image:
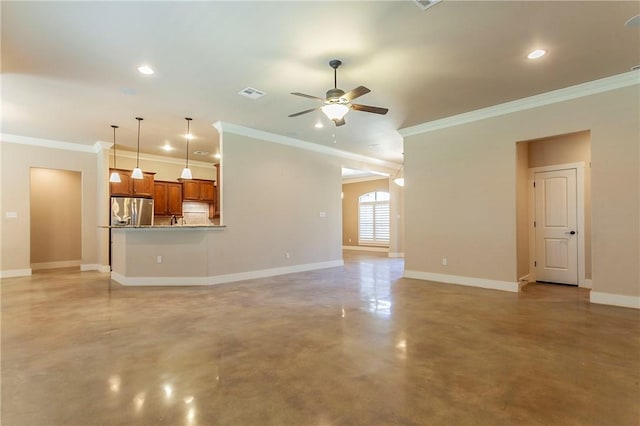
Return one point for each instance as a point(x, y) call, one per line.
point(397, 179)
point(115, 176)
point(137, 172)
point(186, 172)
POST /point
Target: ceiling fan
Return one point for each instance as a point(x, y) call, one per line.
point(337, 103)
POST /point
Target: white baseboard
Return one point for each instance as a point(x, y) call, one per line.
point(89, 267)
point(366, 248)
point(54, 265)
point(587, 284)
point(615, 300)
point(104, 268)
point(9, 273)
point(221, 279)
point(467, 281)
point(395, 254)
point(158, 281)
point(523, 280)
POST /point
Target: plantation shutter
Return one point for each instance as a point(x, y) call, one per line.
point(373, 218)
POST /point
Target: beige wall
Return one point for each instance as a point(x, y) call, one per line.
point(461, 202)
point(273, 195)
point(522, 209)
point(55, 211)
point(17, 161)
point(565, 149)
point(351, 193)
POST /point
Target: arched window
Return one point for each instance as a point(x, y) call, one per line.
point(373, 218)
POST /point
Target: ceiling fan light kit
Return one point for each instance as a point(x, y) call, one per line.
point(337, 102)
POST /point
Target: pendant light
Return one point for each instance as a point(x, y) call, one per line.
point(186, 172)
point(137, 172)
point(115, 176)
point(399, 180)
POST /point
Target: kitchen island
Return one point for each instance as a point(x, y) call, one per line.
point(190, 255)
point(162, 255)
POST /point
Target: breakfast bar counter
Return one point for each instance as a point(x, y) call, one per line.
point(163, 255)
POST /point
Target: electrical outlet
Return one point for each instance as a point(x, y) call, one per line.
point(287, 255)
point(445, 262)
point(158, 259)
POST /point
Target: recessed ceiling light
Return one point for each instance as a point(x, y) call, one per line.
point(318, 125)
point(167, 147)
point(218, 156)
point(538, 53)
point(146, 69)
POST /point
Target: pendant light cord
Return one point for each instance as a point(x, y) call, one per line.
point(188, 138)
point(138, 156)
point(114, 146)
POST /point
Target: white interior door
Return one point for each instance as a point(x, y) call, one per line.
point(556, 226)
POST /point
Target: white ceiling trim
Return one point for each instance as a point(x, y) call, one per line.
point(298, 143)
point(93, 149)
point(50, 143)
point(591, 88)
point(168, 160)
point(347, 181)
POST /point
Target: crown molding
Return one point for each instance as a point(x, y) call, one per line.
point(573, 92)
point(92, 149)
point(49, 143)
point(160, 158)
point(223, 127)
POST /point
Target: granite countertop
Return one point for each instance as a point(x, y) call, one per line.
point(163, 227)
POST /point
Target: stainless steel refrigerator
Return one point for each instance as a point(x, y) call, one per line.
point(129, 211)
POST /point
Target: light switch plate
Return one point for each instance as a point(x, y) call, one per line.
point(12, 215)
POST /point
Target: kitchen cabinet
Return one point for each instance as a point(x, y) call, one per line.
point(198, 190)
point(167, 198)
point(129, 187)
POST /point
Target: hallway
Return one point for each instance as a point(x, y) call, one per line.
point(357, 345)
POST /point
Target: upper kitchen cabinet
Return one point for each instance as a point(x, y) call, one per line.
point(129, 187)
point(167, 198)
point(198, 190)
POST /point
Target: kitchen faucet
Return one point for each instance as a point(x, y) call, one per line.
point(174, 220)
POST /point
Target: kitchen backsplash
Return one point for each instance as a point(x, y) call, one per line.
point(194, 213)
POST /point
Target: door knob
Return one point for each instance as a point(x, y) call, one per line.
point(572, 232)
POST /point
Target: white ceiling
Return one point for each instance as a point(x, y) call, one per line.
point(69, 68)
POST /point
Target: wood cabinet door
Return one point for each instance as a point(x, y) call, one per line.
point(143, 187)
point(160, 199)
point(174, 202)
point(125, 185)
point(207, 191)
point(191, 190)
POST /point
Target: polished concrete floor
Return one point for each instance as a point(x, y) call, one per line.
point(343, 346)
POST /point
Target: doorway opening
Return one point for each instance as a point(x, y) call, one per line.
point(55, 218)
point(553, 214)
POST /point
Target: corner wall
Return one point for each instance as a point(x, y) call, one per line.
point(462, 203)
point(16, 161)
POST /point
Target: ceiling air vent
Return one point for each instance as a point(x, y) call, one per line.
point(251, 93)
point(426, 4)
point(200, 152)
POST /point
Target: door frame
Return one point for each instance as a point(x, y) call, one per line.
point(579, 168)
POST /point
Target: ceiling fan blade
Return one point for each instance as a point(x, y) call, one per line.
point(356, 93)
point(367, 108)
point(302, 112)
point(307, 96)
point(339, 122)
